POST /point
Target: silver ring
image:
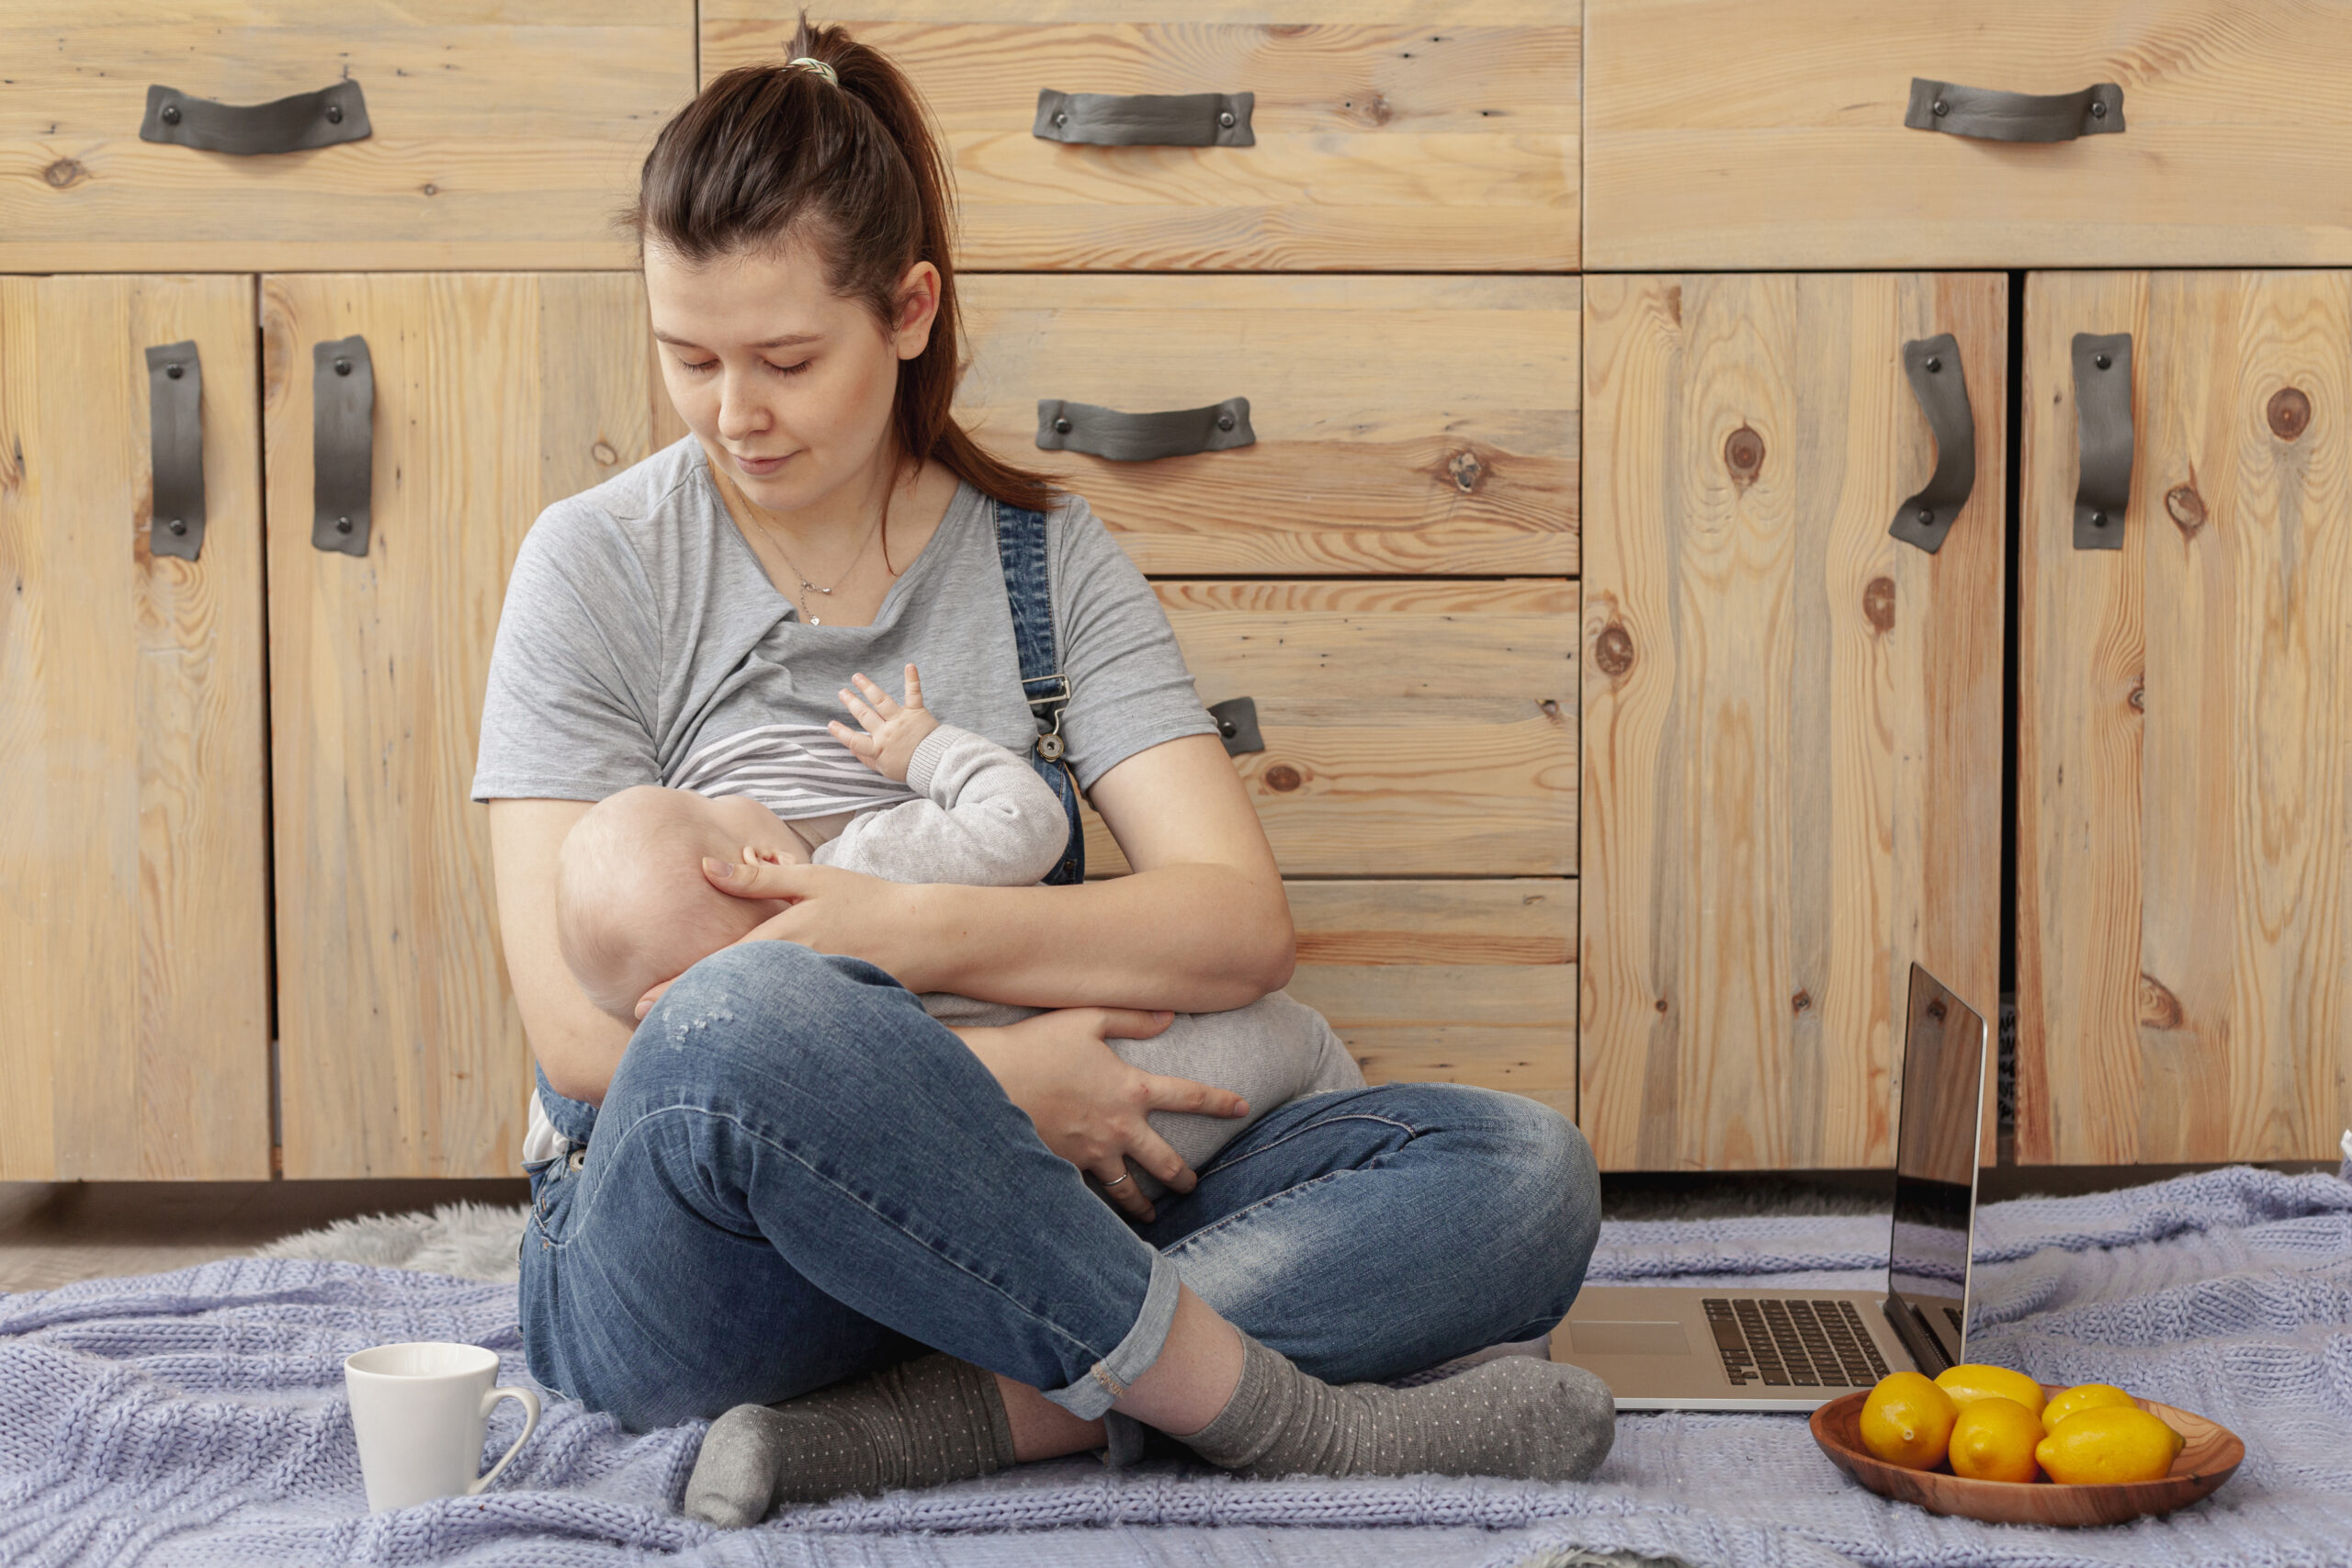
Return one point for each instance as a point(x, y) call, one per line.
point(1115, 1181)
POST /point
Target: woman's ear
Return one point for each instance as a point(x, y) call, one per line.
point(918, 310)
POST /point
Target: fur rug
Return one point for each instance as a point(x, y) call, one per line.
point(473, 1241)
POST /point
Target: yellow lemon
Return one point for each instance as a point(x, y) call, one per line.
point(1907, 1421)
point(2108, 1443)
point(1994, 1439)
point(2081, 1396)
point(1969, 1383)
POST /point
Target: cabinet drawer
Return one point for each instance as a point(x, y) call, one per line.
point(1412, 729)
point(498, 137)
point(1720, 139)
point(1403, 425)
point(1449, 982)
point(1387, 137)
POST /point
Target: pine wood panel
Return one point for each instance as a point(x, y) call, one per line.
point(496, 394)
point(1792, 723)
point(133, 880)
point(1404, 424)
point(1720, 137)
point(1430, 139)
point(1446, 981)
point(1411, 728)
point(2185, 797)
point(501, 136)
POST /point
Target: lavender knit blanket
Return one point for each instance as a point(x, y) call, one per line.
point(198, 1417)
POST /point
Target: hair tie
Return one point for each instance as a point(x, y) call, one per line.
point(819, 66)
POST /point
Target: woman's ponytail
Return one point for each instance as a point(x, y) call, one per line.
point(848, 164)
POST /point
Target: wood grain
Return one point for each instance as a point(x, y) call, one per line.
point(502, 137)
point(2185, 803)
point(1790, 777)
point(402, 1052)
point(1411, 728)
point(1404, 425)
point(1718, 137)
point(133, 882)
point(1468, 981)
point(1435, 139)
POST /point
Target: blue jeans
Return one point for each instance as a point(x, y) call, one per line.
point(798, 1175)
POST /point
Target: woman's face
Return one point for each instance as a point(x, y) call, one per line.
point(788, 386)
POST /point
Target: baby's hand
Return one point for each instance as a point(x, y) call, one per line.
point(892, 732)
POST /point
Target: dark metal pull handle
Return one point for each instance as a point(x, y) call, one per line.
point(343, 443)
point(2103, 431)
point(334, 114)
point(1996, 115)
point(1145, 119)
point(1141, 437)
point(1932, 364)
point(1236, 722)
point(175, 450)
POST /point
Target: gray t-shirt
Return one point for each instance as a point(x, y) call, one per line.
point(642, 643)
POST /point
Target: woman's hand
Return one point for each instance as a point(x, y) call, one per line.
point(1087, 1104)
point(830, 910)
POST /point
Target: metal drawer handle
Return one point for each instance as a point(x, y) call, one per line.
point(175, 450)
point(1237, 723)
point(2103, 433)
point(1996, 115)
point(1142, 437)
point(343, 443)
point(1145, 119)
point(334, 114)
point(1932, 364)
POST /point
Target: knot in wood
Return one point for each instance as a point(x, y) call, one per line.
point(1548, 708)
point(1878, 603)
point(2159, 1008)
point(1744, 455)
point(2138, 695)
point(2290, 414)
point(604, 454)
point(1283, 778)
point(1801, 1001)
point(1613, 650)
point(2186, 507)
point(1467, 471)
point(64, 174)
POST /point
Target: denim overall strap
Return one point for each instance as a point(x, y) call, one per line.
point(575, 1119)
point(1021, 546)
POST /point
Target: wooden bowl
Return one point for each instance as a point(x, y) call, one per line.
point(2210, 1456)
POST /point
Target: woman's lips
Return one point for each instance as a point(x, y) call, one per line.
point(757, 468)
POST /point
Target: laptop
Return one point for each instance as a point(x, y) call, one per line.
point(1697, 1348)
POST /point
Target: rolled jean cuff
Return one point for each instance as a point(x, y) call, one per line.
point(1091, 1395)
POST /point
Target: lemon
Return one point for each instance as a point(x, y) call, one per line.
point(1907, 1421)
point(1969, 1383)
point(2108, 1443)
point(2081, 1396)
point(1994, 1439)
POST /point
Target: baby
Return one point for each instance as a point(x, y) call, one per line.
point(633, 909)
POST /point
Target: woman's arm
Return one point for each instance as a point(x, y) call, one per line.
point(577, 1045)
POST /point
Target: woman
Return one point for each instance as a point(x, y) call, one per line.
point(790, 1178)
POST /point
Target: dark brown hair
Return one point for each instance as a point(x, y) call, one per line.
point(767, 154)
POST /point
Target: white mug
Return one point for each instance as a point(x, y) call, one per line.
point(419, 1410)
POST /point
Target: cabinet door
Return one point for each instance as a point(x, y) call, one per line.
point(495, 395)
point(1791, 721)
point(2185, 791)
point(133, 864)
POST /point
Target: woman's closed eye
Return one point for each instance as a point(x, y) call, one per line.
point(704, 366)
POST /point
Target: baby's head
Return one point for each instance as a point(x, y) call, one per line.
point(633, 907)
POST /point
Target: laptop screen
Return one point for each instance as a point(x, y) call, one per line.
point(1935, 1162)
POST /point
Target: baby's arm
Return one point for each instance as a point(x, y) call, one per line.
point(986, 819)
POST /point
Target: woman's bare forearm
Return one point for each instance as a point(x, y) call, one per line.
point(1186, 937)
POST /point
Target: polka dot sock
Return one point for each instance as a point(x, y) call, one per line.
point(918, 1423)
point(1514, 1416)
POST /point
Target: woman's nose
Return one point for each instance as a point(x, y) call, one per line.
point(740, 414)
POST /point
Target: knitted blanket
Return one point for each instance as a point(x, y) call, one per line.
point(197, 1416)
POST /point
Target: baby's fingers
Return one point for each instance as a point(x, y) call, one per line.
point(864, 745)
point(884, 704)
point(914, 688)
point(864, 714)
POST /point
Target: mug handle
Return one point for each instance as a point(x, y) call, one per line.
point(530, 1424)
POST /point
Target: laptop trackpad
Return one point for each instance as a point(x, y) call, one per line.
point(1662, 1338)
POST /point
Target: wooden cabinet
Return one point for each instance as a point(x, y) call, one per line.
point(497, 136)
point(1725, 135)
point(1792, 720)
point(2184, 775)
point(1384, 136)
point(134, 870)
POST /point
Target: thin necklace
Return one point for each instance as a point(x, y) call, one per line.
point(806, 585)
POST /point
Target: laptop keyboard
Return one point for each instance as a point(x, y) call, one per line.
point(1792, 1343)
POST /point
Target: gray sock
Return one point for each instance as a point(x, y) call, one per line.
point(1514, 1416)
point(918, 1423)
